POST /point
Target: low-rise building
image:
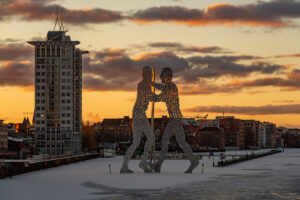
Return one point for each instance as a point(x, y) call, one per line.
point(252, 134)
point(115, 130)
point(294, 131)
point(234, 132)
point(211, 138)
point(3, 137)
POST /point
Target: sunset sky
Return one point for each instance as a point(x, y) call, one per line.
point(237, 56)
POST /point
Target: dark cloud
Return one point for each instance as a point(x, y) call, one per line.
point(290, 83)
point(15, 52)
point(94, 83)
point(115, 70)
point(215, 67)
point(271, 14)
point(14, 73)
point(110, 53)
point(214, 59)
point(204, 88)
point(40, 10)
point(174, 46)
point(288, 56)
point(249, 110)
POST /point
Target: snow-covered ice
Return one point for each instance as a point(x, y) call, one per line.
point(91, 179)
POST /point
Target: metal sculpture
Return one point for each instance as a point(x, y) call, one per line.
point(169, 95)
point(141, 124)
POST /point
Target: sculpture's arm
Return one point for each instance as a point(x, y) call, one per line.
point(160, 97)
point(159, 86)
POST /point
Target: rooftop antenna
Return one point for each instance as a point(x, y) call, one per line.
point(57, 22)
point(62, 20)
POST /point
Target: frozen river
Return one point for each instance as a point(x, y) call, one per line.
point(272, 177)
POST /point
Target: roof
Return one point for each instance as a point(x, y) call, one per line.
point(56, 35)
point(210, 129)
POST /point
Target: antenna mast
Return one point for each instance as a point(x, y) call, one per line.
point(57, 21)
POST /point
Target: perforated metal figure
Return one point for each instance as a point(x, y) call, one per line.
point(141, 124)
point(169, 95)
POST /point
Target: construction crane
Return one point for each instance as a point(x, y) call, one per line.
point(201, 123)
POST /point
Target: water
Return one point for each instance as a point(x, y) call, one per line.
point(278, 181)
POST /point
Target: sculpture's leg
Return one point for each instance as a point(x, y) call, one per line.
point(165, 141)
point(180, 137)
point(137, 134)
point(148, 146)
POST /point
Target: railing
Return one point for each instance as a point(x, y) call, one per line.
point(15, 168)
point(224, 163)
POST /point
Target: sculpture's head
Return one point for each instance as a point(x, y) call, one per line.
point(147, 73)
point(166, 75)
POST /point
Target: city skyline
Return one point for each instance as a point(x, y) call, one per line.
point(246, 65)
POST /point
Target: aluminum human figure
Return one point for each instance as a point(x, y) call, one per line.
point(169, 95)
point(141, 124)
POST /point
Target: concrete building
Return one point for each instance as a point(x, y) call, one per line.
point(294, 131)
point(211, 137)
point(3, 137)
point(270, 137)
point(115, 130)
point(209, 123)
point(263, 131)
point(252, 134)
point(58, 94)
point(234, 132)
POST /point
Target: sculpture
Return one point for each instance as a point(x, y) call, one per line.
point(141, 124)
point(169, 95)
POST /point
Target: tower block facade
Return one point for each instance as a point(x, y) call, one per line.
point(58, 94)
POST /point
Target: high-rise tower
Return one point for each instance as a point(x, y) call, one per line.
point(58, 94)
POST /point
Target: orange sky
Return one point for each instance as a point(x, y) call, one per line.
point(245, 61)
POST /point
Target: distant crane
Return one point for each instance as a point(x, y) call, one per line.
point(201, 123)
point(203, 118)
point(198, 117)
